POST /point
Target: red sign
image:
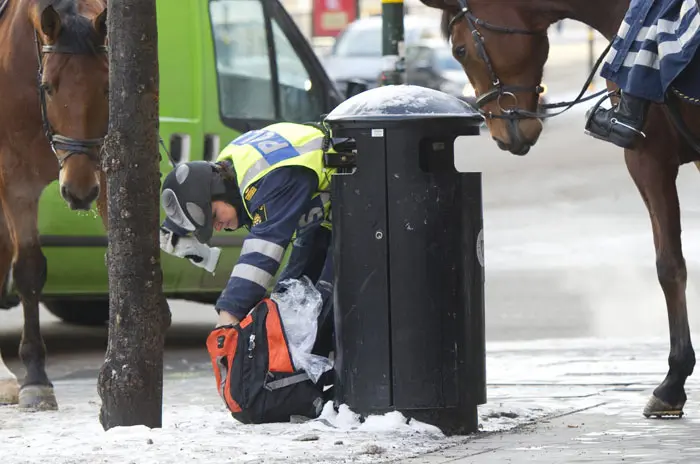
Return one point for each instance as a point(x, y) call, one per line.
point(330, 17)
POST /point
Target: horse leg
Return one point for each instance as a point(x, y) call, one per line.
point(29, 273)
point(9, 388)
point(655, 178)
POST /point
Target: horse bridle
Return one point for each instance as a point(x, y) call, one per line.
point(499, 90)
point(69, 145)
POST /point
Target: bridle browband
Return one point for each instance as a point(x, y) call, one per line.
point(499, 90)
point(69, 145)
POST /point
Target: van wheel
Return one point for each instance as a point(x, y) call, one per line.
point(80, 312)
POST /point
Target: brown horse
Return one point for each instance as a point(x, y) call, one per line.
point(54, 93)
point(503, 46)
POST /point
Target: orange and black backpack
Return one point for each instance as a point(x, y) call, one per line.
point(255, 373)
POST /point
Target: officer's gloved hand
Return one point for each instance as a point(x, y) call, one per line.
point(226, 318)
point(199, 254)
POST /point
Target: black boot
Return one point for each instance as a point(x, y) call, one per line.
point(622, 124)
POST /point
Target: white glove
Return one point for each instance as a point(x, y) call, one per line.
point(197, 253)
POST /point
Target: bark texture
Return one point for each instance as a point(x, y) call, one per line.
point(130, 382)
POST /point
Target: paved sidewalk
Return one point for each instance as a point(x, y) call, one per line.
point(608, 433)
point(605, 425)
point(563, 401)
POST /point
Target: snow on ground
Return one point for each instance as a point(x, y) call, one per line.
point(528, 381)
point(197, 428)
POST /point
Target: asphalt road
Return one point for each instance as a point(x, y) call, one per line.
point(568, 242)
point(568, 247)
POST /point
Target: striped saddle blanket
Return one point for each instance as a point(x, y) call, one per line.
point(3, 6)
point(654, 48)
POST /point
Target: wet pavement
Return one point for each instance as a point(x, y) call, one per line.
point(595, 391)
point(587, 437)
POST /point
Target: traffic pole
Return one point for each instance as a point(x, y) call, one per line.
point(393, 45)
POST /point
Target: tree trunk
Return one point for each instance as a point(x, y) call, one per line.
point(131, 380)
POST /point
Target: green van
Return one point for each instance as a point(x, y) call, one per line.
point(226, 67)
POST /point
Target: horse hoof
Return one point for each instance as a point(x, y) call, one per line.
point(659, 409)
point(9, 391)
point(37, 398)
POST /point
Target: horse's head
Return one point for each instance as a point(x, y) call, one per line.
point(502, 47)
point(74, 86)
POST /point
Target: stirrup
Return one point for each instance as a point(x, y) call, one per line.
point(613, 121)
point(637, 131)
point(592, 111)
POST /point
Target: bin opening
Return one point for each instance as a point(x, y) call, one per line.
point(344, 155)
point(437, 154)
point(340, 160)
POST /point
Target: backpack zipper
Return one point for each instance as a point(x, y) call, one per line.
point(247, 367)
point(251, 345)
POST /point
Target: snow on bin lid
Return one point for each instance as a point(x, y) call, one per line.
point(402, 101)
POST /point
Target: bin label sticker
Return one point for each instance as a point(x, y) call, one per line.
point(377, 132)
point(480, 247)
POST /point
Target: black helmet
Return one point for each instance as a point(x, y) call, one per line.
point(187, 194)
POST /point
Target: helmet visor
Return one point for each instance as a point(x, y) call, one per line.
point(174, 211)
point(190, 216)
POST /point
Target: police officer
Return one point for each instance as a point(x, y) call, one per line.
point(272, 181)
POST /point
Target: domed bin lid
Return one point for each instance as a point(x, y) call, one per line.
point(403, 102)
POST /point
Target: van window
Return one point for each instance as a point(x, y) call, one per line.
point(242, 60)
point(301, 99)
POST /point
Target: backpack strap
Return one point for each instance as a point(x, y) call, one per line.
point(287, 381)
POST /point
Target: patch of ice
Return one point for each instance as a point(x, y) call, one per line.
point(198, 428)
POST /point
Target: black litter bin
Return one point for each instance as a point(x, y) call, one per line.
point(408, 257)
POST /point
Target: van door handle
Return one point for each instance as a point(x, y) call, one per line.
point(180, 148)
point(211, 147)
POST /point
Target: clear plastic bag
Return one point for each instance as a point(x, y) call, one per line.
point(299, 304)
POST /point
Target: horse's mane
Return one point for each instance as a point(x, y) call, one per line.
point(445, 24)
point(77, 32)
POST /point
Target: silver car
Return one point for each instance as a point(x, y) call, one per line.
point(357, 52)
